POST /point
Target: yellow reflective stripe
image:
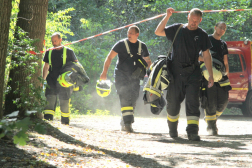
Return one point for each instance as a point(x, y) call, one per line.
point(218, 113)
point(208, 118)
point(239, 88)
point(64, 55)
point(153, 105)
point(203, 64)
point(65, 114)
point(157, 77)
point(49, 112)
point(141, 63)
point(152, 91)
point(192, 122)
point(126, 108)
point(203, 89)
point(127, 114)
point(172, 118)
point(225, 84)
point(49, 57)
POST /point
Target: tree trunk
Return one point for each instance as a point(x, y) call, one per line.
point(5, 13)
point(32, 19)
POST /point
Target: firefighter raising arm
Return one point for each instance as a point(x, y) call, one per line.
point(160, 28)
point(107, 63)
point(208, 62)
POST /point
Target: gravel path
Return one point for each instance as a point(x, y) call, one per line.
point(96, 141)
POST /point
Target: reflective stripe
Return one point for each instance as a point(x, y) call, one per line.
point(208, 118)
point(239, 88)
point(126, 108)
point(64, 56)
point(172, 118)
point(49, 57)
point(127, 114)
point(153, 105)
point(192, 118)
point(192, 122)
point(158, 77)
point(49, 112)
point(218, 113)
point(152, 91)
point(224, 84)
point(65, 114)
point(141, 63)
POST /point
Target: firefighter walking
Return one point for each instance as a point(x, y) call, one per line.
point(217, 96)
point(133, 59)
point(185, 69)
point(54, 61)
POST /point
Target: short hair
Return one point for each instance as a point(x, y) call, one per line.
point(196, 11)
point(137, 30)
point(56, 34)
point(221, 22)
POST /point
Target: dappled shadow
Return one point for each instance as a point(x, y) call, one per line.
point(129, 158)
point(11, 156)
point(231, 141)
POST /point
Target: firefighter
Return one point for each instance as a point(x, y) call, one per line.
point(133, 59)
point(217, 96)
point(54, 61)
point(186, 70)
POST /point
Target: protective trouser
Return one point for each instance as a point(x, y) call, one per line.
point(186, 84)
point(128, 90)
point(51, 93)
point(217, 100)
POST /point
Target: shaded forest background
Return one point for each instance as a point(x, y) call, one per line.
point(79, 19)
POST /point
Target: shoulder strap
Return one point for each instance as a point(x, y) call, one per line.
point(174, 40)
point(49, 57)
point(64, 55)
point(128, 49)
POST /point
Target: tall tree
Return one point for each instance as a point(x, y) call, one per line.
point(5, 12)
point(32, 19)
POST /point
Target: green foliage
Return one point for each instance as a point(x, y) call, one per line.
point(18, 129)
point(26, 65)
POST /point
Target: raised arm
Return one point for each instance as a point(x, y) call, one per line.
point(161, 26)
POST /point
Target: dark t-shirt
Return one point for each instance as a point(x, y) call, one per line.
point(57, 61)
point(187, 44)
point(123, 55)
point(219, 48)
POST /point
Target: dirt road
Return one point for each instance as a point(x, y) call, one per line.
point(95, 141)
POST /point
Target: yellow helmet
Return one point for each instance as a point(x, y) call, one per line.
point(103, 87)
point(65, 79)
point(217, 75)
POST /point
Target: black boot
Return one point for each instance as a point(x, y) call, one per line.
point(173, 129)
point(128, 128)
point(192, 132)
point(212, 127)
point(48, 117)
point(65, 120)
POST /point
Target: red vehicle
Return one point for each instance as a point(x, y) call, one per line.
point(240, 71)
